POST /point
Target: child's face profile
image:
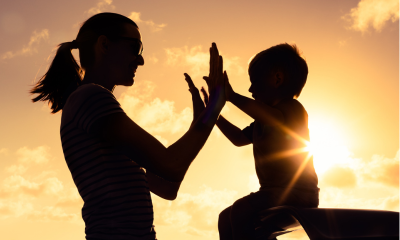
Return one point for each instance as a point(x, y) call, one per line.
point(264, 87)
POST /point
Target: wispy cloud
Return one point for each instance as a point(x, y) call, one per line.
point(52, 213)
point(31, 47)
point(101, 6)
point(36, 155)
point(198, 60)
point(195, 214)
point(340, 177)
point(22, 190)
point(135, 16)
point(381, 169)
point(362, 183)
point(156, 116)
point(375, 13)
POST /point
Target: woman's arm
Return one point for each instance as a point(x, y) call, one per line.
point(161, 187)
point(169, 163)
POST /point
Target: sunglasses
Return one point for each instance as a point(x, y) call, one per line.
point(137, 47)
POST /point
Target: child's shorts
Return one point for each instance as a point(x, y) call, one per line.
point(273, 197)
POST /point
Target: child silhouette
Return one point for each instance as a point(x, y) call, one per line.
point(279, 135)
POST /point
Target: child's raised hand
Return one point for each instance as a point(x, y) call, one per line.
point(215, 80)
point(228, 88)
point(198, 105)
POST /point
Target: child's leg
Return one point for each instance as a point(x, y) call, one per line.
point(243, 216)
point(224, 224)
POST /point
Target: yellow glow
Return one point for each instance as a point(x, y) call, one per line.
point(327, 145)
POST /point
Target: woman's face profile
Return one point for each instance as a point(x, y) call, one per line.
point(122, 58)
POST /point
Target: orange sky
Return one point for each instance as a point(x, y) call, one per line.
point(352, 98)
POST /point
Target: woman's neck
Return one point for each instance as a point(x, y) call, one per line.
point(98, 78)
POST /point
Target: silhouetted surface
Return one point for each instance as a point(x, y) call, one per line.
point(329, 223)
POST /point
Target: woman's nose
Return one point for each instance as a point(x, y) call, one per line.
point(140, 60)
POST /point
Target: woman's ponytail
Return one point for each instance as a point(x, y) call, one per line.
point(62, 78)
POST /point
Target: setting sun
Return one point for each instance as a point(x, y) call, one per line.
point(327, 145)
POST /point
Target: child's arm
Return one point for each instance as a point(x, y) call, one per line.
point(233, 133)
point(255, 109)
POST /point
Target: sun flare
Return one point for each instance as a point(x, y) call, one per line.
point(327, 145)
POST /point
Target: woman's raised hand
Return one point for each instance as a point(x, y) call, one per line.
point(198, 105)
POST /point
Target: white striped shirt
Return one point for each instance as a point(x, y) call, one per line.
point(117, 202)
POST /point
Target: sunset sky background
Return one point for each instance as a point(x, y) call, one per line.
point(352, 98)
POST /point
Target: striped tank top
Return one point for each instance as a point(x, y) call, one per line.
point(115, 191)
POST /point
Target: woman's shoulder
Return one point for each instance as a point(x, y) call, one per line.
point(90, 88)
point(86, 91)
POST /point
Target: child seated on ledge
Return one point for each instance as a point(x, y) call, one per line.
point(279, 135)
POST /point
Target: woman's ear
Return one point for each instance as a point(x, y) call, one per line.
point(102, 44)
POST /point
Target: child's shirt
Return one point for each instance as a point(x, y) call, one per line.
point(279, 155)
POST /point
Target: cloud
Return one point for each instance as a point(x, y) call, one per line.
point(31, 47)
point(102, 6)
point(375, 13)
point(381, 169)
point(392, 203)
point(340, 177)
point(198, 61)
point(17, 185)
point(14, 208)
point(37, 155)
point(69, 198)
point(195, 214)
point(135, 16)
point(17, 169)
point(51, 213)
point(153, 114)
point(37, 196)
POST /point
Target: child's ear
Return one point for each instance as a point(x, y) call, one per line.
point(279, 77)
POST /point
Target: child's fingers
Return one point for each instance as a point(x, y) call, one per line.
point(216, 48)
point(205, 95)
point(220, 70)
point(211, 62)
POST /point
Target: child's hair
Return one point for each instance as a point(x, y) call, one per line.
point(64, 74)
point(286, 58)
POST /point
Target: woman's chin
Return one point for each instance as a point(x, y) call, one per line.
point(129, 82)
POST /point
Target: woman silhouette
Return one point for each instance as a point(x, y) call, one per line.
point(105, 150)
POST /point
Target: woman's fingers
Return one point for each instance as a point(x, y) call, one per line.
point(189, 81)
point(192, 88)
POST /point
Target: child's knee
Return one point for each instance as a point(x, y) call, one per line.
point(225, 215)
point(242, 207)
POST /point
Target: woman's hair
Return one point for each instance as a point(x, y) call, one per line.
point(64, 74)
point(286, 58)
